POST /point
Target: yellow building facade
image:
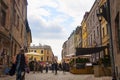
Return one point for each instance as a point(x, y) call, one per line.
point(104, 30)
point(40, 53)
point(84, 34)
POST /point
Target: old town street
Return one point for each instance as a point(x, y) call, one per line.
point(59, 76)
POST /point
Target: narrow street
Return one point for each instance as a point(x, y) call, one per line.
point(59, 76)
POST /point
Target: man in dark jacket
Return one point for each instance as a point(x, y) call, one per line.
point(20, 65)
point(56, 67)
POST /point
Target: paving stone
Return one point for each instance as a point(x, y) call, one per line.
point(59, 76)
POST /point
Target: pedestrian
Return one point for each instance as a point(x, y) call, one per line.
point(46, 68)
point(63, 66)
point(41, 68)
point(35, 65)
point(52, 67)
point(60, 67)
point(56, 67)
point(21, 62)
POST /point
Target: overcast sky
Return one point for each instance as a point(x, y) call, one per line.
point(52, 21)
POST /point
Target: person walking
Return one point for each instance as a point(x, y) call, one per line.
point(41, 68)
point(46, 67)
point(35, 65)
point(52, 67)
point(63, 66)
point(60, 67)
point(21, 62)
point(56, 67)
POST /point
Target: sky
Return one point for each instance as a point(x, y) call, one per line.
point(52, 21)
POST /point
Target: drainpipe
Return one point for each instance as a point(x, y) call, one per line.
point(111, 41)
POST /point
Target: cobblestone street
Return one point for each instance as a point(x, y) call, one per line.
point(59, 76)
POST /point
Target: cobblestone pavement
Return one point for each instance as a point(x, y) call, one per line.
point(59, 76)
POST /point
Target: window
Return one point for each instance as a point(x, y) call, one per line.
point(21, 30)
point(47, 58)
point(118, 30)
point(15, 49)
point(94, 34)
point(107, 29)
point(31, 50)
point(91, 40)
point(17, 21)
point(41, 51)
point(3, 13)
point(103, 32)
point(41, 58)
point(47, 52)
point(14, 14)
point(34, 50)
point(3, 17)
point(97, 30)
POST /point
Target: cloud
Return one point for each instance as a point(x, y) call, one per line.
point(52, 21)
point(48, 31)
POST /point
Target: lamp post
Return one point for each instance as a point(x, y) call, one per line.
point(99, 15)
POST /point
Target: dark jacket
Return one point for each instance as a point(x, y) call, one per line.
point(22, 62)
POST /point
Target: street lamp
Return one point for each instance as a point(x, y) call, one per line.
point(99, 14)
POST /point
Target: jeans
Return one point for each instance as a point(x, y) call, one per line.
point(20, 75)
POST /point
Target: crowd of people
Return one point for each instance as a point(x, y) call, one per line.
point(20, 66)
point(37, 66)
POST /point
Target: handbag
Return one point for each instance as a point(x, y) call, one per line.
point(14, 67)
point(27, 69)
point(12, 70)
point(6, 71)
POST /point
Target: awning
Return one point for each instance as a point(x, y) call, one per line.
point(87, 51)
point(34, 54)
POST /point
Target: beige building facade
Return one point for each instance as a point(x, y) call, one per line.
point(94, 31)
point(14, 30)
point(115, 28)
point(78, 37)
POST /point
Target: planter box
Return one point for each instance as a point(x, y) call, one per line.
point(86, 70)
point(101, 71)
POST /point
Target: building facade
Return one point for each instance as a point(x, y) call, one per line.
point(78, 37)
point(45, 52)
point(84, 31)
point(69, 47)
point(71, 44)
point(94, 31)
point(115, 31)
point(14, 30)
